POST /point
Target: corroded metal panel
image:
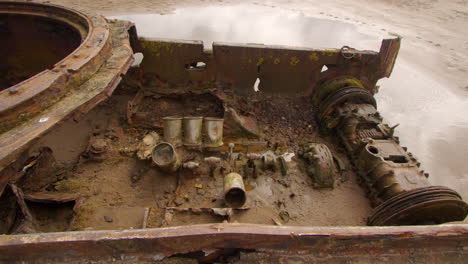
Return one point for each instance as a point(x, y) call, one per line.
point(280, 70)
point(314, 242)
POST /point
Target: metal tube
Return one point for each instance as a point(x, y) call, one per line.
point(193, 131)
point(234, 191)
point(165, 157)
point(173, 129)
point(213, 132)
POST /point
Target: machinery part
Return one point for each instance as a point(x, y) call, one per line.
point(213, 132)
point(283, 165)
point(428, 205)
point(392, 175)
point(269, 162)
point(68, 88)
point(350, 94)
point(330, 86)
point(165, 157)
point(213, 163)
point(193, 131)
point(172, 126)
point(319, 164)
point(97, 150)
point(234, 190)
point(388, 170)
point(191, 165)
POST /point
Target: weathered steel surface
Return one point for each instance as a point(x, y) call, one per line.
point(42, 90)
point(317, 242)
point(237, 66)
point(90, 75)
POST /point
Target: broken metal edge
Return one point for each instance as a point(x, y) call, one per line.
point(164, 242)
point(43, 89)
point(165, 60)
point(77, 102)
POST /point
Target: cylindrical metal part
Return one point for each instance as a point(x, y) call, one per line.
point(173, 129)
point(193, 131)
point(165, 157)
point(269, 162)
point(234, 190)
point(213, 132)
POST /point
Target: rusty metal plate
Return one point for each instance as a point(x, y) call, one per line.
point(157, 244)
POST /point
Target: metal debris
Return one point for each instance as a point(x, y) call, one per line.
point(213, 128)
point(172, 129)
point(147, 145)
point(192, 131)
point(234, 190)
point(319, 164)
point(164, 155)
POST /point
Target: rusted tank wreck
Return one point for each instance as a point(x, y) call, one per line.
point(243, 153)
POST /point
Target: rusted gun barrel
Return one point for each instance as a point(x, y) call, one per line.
point(395, 181)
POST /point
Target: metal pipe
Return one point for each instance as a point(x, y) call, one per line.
point(213, 132)
point(173, 129)
point(234, 190)
point(165, 157)
point(193, 131)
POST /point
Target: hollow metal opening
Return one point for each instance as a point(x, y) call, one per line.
point(31, 44)
point(235, 197)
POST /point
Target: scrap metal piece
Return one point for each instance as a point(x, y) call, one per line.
point(97, 150)
point(15, 215)
point(193, 131)
point(165, 157)
point(172, 129)
point(319, 164)
point(213, 132)
point(283, 165)
point(146, 146)
point(234, 190)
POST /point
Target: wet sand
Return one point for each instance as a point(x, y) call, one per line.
point(427, 92)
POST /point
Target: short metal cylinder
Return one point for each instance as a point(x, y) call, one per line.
point(213, 132)
point(165, 157)
point(234, 190)
point(172, 129)
point(193, 131)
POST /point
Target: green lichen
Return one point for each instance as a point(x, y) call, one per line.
point(260, 61)
point(294, 61)
point(313, 56)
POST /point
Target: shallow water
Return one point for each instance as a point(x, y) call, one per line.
point(251, 24)
point(433, 120)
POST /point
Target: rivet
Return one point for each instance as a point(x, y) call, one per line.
point(13, 90)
